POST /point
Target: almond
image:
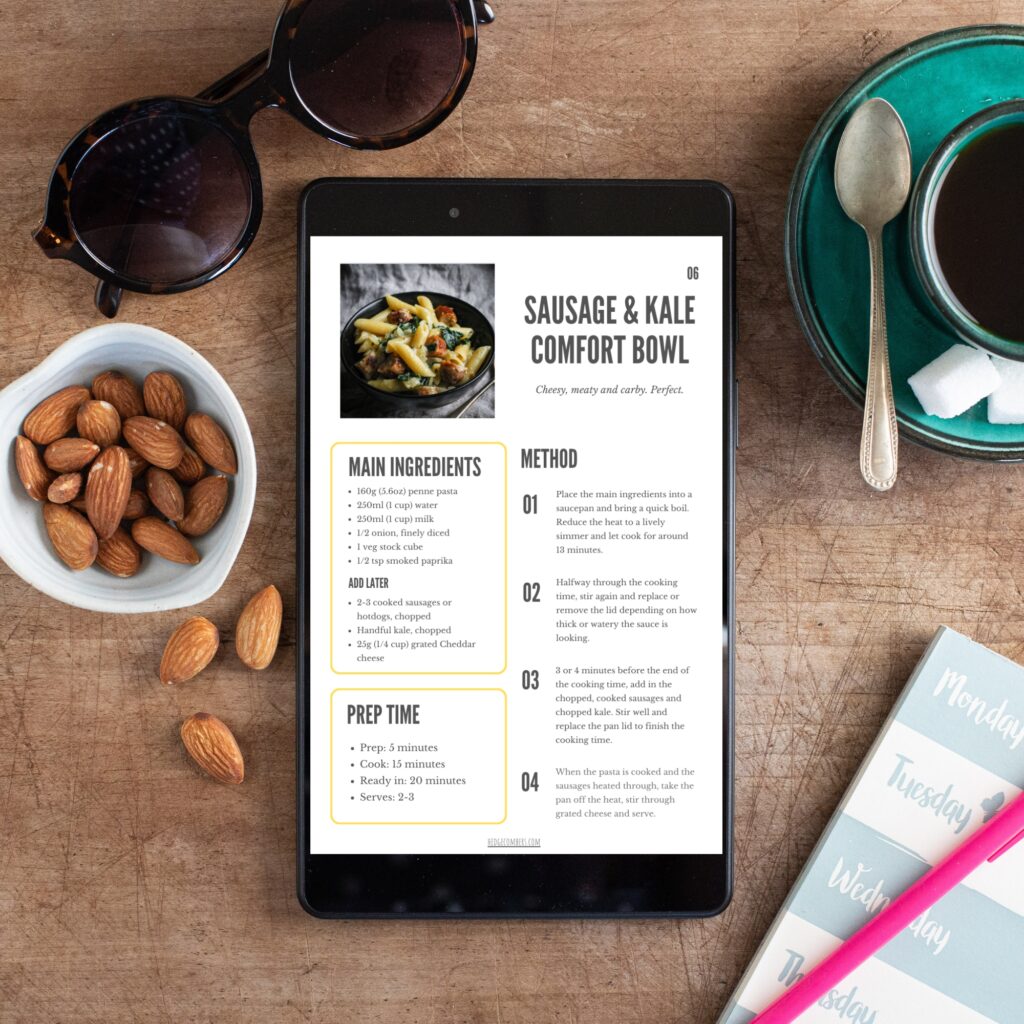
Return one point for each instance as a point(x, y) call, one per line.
point(165, 492)
point(119, 554)
point(135, 461)
point(190, 469)
point(121, 392)
point(204, 505)
point(72, 537)
point(210, 441)
point(189, 650)
point(156, 441)
point(138, 505)
point(34, 475)
point(65, 488)
point(210, 744)
point(55, 416)
point(70, 454)
point(164, 398)
point(107, 489)
point(258, 629)
point(99, 421)
point(155, 535)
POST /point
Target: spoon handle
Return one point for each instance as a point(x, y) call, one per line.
point(878, 441)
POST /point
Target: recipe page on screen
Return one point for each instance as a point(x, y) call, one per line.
point(515, 615)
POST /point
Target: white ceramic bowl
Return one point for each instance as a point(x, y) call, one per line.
point(159, 585)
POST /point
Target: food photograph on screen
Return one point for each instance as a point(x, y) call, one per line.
point(417, 340)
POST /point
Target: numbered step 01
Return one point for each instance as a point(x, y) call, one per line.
point(419, 756)
point(419, 558)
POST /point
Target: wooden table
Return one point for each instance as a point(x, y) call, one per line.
point(133, 890)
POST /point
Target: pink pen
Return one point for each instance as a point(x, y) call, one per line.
point(988, 843)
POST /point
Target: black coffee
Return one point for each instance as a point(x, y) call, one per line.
point(979, 230)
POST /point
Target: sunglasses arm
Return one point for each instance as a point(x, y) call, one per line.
point(108, 298)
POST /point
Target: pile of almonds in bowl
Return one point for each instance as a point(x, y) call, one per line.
point(115, 475)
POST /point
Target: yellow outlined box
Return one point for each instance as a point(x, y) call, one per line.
point(330, 583)
point(419, 689)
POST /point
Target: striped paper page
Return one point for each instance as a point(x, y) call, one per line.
point(949, 757)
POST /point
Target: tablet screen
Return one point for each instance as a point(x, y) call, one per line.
point(516, 612)
point(516, 548)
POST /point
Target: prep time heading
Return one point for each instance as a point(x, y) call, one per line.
point(392, 714)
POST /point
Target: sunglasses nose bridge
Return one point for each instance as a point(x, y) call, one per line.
point(243, 105)
point(237, 114)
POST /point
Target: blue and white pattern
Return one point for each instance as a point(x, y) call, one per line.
point(949, 757)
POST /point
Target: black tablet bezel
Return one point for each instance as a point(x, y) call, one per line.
point(519, 885)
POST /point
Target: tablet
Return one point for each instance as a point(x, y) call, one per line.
point(515, 461)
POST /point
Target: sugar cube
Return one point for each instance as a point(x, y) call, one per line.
point(1006, 403)
point(956, 380)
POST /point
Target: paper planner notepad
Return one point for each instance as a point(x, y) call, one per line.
point(949, 757)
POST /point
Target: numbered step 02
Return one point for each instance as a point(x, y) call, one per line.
point(419, 756)
point(419, 558)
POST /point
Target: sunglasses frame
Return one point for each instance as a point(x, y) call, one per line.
point(229, 104)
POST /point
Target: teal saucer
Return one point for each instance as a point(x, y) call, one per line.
point(934, 83)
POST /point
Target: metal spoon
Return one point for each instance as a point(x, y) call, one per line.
point(872, 176)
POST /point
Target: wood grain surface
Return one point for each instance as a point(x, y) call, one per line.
point(132, 889)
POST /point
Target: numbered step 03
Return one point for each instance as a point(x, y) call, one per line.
point(419, 756)
point(419, 558)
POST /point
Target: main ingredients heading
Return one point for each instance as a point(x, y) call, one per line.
point(415, 465)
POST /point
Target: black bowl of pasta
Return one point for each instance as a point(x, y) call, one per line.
point(417, 350)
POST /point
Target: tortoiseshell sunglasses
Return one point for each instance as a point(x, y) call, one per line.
point(163, 194)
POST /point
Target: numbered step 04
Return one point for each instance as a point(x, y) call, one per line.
point(419, 756)
point(419, 558)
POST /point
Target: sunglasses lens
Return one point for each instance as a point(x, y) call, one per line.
point(163, 199)
point(376, 67)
